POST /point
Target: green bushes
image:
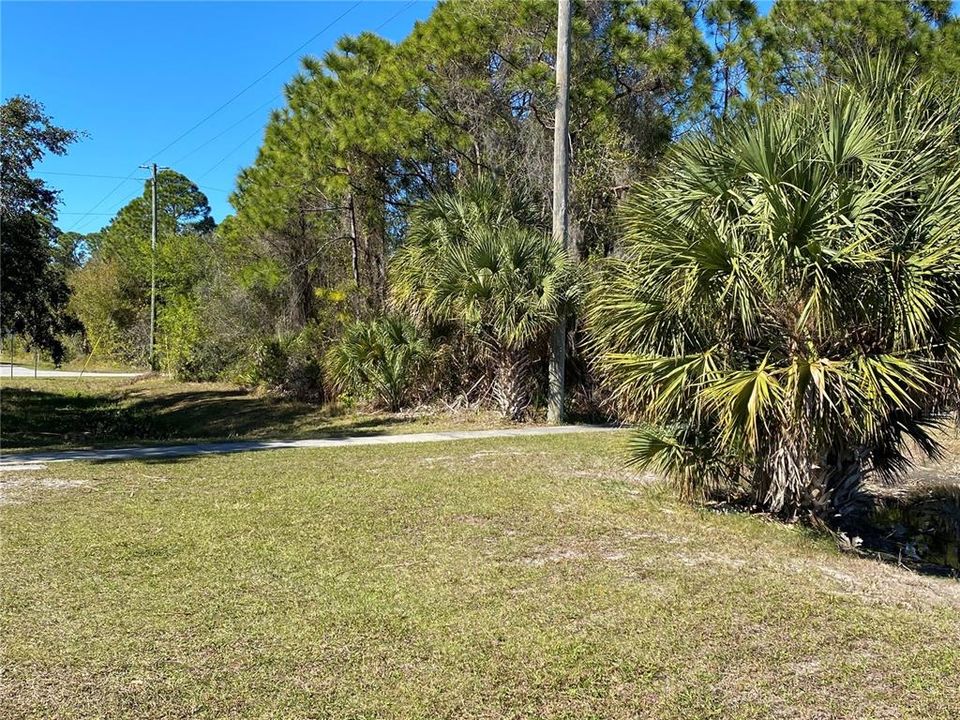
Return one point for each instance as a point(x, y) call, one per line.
point(292, 367)
point(114, 316)
point(379, 360)
point(785, 315)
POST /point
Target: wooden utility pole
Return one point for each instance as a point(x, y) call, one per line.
point(153, 267)
point(558, 338)
point(153, 261)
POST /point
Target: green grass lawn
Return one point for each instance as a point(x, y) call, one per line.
point(60, 413)
point(519, 578)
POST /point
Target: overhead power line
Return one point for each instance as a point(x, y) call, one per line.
point(395, 15)
point(87, 175)
point(111, 177)
point(259, 78)
point(247, 139)
point(219, 162)
point(226, 130)
point(221, 107)
point(102, 200)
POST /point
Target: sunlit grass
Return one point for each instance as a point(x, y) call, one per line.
point(503, 578)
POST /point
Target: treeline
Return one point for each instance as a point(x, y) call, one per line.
point(374, 128)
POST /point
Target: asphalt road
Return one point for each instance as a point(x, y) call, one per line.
point(23, 371)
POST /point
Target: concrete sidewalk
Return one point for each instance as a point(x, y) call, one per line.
point(162, 452)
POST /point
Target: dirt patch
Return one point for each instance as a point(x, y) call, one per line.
point(17, 488)
point(551, 557)
point(868, 581)
point(431, 462)
point(879, 583)
point(484, 454)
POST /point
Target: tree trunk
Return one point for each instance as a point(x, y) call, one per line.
point(510, 385)
point(835, 494)
point(354, 249)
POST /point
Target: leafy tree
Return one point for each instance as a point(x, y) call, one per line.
point(639, 73)
point(183, 213)
point(319, 206)
point(110, 310)
point(815, 38)
point(785, 316)
point(28, 134)
point(113, 288)
point(372, 128)
point(944, 55)
point(70, 250)
point(757, 57)
point(34, 292)
point(379, 357)
point(746, 55)
point(283, 241)
point(472, 261)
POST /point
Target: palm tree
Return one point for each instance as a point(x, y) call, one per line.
point(784, 316)
point(476, 260)
point(380, 357)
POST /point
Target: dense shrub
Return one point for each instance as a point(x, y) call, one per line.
point(114, 316)
point(292, 367)
point(379, 360)
point(477, 262)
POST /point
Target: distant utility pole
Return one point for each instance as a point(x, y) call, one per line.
point(558, 338)
point(153, 259)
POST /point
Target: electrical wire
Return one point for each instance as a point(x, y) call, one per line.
point(247, 139)
point(182, 135)
point(261, 77)
point(111, 177)
point(226, 130)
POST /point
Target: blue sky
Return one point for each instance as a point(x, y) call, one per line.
point(135, 76)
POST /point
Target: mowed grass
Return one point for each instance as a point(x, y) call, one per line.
point(520, 578)
point(62, 413)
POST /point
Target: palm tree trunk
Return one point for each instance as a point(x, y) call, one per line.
point(834, 494)
point(510, 385)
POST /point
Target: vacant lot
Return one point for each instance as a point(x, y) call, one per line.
point(68, 413)
point(517, 578)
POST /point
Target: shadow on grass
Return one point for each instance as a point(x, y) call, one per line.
point(918, 528)
point(35, 419)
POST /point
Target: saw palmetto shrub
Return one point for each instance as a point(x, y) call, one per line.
point(379, 360)
point(783, 319)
